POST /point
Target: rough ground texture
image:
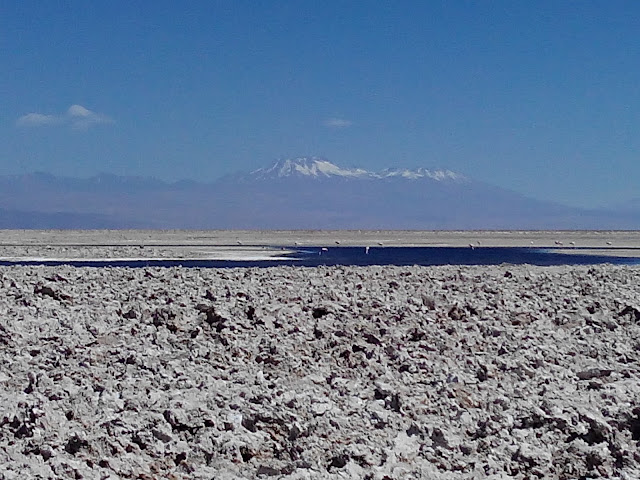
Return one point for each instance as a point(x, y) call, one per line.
point(379, 373)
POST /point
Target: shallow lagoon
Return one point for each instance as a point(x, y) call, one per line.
point(359, 256)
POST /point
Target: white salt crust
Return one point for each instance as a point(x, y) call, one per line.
point(298, 373)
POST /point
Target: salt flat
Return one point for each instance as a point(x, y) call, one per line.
point(326, 373)
point(225, 244)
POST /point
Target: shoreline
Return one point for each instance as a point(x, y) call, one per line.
point(252, 245)
point(497, 238)
point(236, 256)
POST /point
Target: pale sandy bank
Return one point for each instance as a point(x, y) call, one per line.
point(250, 244)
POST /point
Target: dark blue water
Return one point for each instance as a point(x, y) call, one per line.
point(315, 256)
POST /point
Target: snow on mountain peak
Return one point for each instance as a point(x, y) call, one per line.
point(439, 175)
point(316, 167)
point(307, 167)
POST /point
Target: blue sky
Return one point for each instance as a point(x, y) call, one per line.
point(540, 97)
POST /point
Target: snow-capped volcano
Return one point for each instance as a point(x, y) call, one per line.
point(298, 193)
point(321, 168)
point(306, 167)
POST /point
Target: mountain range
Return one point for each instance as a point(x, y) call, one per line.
point(298, 193)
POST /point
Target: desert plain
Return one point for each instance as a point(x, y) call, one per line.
point(483, 372)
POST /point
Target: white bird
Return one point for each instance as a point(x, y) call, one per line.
point(380, 243)
point(608, 243)
point(366, 250)
point(471, 246)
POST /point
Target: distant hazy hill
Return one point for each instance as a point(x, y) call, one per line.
point(16, 219)
point(301, 193)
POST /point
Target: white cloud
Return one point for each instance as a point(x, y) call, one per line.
point(337, 123)
point(81, 118)
point(76, 117)
point(79, 111)
point(37, 120)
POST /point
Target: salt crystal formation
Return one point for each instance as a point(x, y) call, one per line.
point(298, 373)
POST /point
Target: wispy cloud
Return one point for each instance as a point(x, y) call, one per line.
point(37, 120)
point(77, 117)
point(337, 123)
